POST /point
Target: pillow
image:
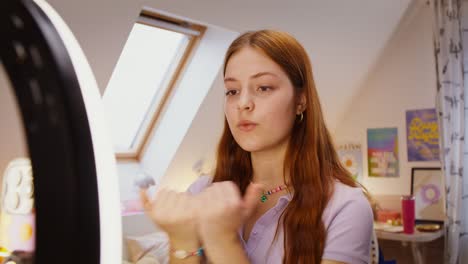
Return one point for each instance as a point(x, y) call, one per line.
point(154, 245)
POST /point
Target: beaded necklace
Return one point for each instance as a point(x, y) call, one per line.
point(264, 196)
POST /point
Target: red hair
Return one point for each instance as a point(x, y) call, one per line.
point(310, 158)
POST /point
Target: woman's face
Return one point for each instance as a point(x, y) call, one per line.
point(260, 103)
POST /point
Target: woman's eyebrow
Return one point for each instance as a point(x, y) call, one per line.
point(262, 74)
point(257, 75)
point(230, 79)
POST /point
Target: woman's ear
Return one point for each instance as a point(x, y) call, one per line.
point(301, 103)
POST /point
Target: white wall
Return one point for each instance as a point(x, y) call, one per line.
point(201, 140)
point(12, 137)
point(404, 78)
point(101, 28)
point(188, 96)
point(128, 173)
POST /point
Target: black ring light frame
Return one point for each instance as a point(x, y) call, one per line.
point(57, 133)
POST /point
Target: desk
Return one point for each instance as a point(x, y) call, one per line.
point(414, 239)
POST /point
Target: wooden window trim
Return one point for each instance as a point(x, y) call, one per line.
point(135, 154)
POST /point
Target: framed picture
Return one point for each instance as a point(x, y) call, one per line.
point(427, 187)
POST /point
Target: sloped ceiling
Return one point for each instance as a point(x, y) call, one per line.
point(343, 38)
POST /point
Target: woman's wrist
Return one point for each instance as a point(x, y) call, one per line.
point(189, 243)
point(183, 250)
point(219, 238)
point(224, 248)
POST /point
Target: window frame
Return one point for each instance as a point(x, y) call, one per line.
point(195, 33)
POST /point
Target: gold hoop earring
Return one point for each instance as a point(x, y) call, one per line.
point(301, 117)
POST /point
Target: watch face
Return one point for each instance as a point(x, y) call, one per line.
point(17, 214)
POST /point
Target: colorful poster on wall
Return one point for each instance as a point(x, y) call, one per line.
point(422, 135)
point(351, 157)
point(382, 152)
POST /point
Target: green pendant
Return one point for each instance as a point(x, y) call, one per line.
point(263, 198)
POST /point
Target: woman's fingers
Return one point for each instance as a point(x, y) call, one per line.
point(224, 198)
point(233, 193)
point(189, 204)
point(161, 197)
point(145, 201)
point(251, 198)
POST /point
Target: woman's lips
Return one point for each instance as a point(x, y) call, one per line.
point(246, 126)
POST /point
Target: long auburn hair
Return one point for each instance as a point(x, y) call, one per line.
point(310, 158)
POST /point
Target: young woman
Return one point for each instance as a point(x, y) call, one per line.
point(278, 193)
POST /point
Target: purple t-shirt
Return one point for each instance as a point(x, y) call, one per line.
point(348, 221)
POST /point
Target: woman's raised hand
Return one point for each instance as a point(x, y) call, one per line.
point(222, 210)
point(173, 212)
point(211, 219)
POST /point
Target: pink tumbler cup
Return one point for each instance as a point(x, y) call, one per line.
point(407, 208)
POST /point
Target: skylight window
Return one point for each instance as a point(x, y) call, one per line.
point(142, 81)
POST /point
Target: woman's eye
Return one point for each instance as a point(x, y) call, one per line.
point(231, 92)
point(264, 88)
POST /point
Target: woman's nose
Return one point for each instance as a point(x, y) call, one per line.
point(246, 102)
